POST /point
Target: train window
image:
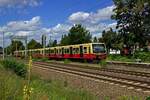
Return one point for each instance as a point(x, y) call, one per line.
point(98, 48)
point(38, 51)
point(77, 50)
point(47, 51)
point(74, 51)
point(85, 49)
point(60, 51)
point(67, 51)
point(51, 51)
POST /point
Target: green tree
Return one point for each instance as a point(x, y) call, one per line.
point(50, 42)
point(110, 38)
point(1, 50)
point(132, 18)
point(54, 43)
point(33, 44)
point(64, 40)
point(15, 45)
point(77, 35)
point(8, 50)
point(95, 39)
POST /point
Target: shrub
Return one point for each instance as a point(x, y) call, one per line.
point(18, 67)
point(121, 58)
point(144, 56)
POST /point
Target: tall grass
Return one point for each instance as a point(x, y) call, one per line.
point(12, 88)
point(143, 56)
point(103, 64)
point(17, 67)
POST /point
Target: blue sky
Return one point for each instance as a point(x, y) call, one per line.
point(54, 17)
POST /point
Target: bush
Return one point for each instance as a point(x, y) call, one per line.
point(121, 58)
point(144, 56)
point(18, 67)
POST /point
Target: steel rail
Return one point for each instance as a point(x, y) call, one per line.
point(128, 82)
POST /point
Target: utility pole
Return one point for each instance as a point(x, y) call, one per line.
point(44, 43)
point(16, 51)
point(26, 40)
point(3, 47)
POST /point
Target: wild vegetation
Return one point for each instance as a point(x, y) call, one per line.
point(19, 68)
point(142, 56)
point(12, 86)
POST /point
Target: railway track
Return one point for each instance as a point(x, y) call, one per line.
point(135, 73)
point(141, 83)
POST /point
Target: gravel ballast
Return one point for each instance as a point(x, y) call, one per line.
point(99, 88)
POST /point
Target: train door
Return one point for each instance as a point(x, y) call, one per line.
point(71, 53)
point(81, 51)
point(62, 52)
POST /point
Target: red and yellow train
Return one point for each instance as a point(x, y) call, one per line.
point(88, 51)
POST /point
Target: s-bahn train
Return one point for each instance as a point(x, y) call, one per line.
point(88, 51)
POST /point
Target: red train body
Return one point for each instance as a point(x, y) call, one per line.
point(88, 51)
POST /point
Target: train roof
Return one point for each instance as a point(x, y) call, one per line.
point(67, 46)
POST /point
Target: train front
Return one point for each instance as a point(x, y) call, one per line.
point(99, 51)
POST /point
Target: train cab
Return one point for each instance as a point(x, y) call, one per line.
point(99, 50)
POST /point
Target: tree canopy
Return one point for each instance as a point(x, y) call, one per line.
point(77, 35)
point(33, 44)
point(110, 38)
point(133, 22)
point(15, 45)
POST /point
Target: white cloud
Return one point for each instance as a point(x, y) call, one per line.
point(22, 28)
point(102, 14)
point(94, 21)
point(33, 27)
point(30, 25)
point(79, 17)
point(113, 25)
point(92, 18)
point(19, 3)
point(96, 28)
point(60, 28)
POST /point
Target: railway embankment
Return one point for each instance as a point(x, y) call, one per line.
point(127, 66)
point(101, 88)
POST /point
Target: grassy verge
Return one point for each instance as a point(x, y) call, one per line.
point(120, 58)
point(142, 56)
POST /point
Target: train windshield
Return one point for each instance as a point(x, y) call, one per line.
point(98, 48)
